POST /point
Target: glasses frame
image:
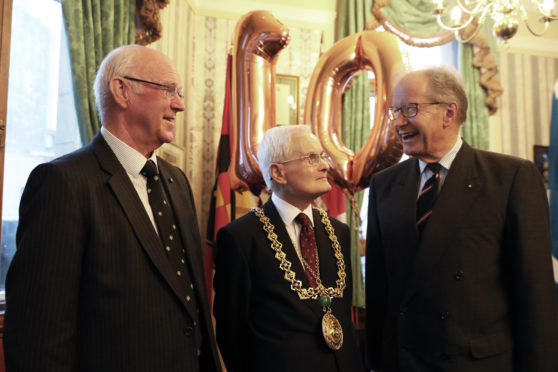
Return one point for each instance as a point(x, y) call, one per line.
point(312, 158)
point(393, 111)
point(171, 90)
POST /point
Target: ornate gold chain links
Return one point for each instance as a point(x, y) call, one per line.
point(285, 265)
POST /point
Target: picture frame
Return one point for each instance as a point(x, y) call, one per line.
point(540, 156)
point(172, 153)
point(286, 99)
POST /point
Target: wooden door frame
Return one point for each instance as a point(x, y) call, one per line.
point(6, 30)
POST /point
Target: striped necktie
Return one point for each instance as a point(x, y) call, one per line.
point(427, 197)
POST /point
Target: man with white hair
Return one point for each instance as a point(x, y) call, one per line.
point(108, 270)
point(283, 287)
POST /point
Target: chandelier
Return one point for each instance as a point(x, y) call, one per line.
point(506, 15)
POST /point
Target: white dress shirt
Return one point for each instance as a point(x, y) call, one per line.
point(133, 162)
point(445, 164)
point(288, 213)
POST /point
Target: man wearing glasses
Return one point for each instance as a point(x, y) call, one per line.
point(458, 264)
point(283, 286)
point(108, 270)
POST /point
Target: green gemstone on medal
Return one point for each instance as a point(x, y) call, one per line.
point(324, 301)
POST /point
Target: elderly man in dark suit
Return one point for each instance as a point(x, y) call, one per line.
point(104, 278)
point(283, 285)
point(458, 265)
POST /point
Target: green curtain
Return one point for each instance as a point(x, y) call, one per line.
point(94, 28)
point(475, 130)
point(414, 15)
point(351, 18)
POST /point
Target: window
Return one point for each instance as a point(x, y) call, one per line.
point(41, 120)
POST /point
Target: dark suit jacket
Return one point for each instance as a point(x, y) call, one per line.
point(262, 325)
point(476, 293)
point(90, 288)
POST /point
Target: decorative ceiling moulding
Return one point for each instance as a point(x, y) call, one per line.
point(307, 15)
point(148, 20)
point(531, 45)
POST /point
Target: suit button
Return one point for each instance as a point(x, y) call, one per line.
point(444, 315)
point(458, 275)
point(188, 331)
point(402, 312)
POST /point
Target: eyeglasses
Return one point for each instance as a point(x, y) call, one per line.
point(408, 110)
point(312, 158)
point(171, 90)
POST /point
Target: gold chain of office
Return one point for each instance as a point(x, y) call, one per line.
point(285, 265)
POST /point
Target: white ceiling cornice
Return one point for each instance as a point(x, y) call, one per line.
point(317, 14)
point(235, 9)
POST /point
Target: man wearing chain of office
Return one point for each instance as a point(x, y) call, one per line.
point(283, 284)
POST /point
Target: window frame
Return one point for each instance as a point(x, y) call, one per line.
point(6, 28)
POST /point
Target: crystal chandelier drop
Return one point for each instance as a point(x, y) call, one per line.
point(506, 15)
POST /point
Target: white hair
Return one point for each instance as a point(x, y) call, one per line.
point(276, 146)
point(119, 62)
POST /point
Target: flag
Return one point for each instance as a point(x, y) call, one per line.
point(226, 204)
point(222, 197)
point(553, 181)
point(333, 202)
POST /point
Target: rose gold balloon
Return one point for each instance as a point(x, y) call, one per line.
point(259, 37)
point(367, 50)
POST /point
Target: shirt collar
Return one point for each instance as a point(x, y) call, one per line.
point(288, 212)
point(447, 159)
point(131, 159)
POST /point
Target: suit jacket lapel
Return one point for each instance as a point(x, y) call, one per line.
point(403, 198)
point(187, 222)
point(398, 201)
point(284, 238)
point(461, 187)
point(132, 206)
point(184, 209)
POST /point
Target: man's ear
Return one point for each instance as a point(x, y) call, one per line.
point(450, 115)
point(277, 173)
point(120, 91)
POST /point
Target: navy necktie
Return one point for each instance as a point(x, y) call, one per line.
point(164, 218)
point(172, 242)
point(427, 197)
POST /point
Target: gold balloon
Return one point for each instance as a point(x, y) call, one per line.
point(258, 39)
point(367, 50)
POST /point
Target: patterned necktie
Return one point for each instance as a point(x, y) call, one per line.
point(164, 218)
point(308, 247)
point(172, 243)
point(427, 197)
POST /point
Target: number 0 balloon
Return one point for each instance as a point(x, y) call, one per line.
point(258, 39)
point(371, 50)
